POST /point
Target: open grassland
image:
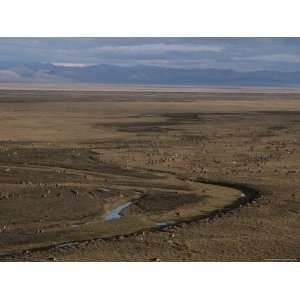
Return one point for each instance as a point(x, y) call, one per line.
point(198, 175)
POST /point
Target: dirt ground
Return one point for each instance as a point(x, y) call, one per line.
point(221, 168)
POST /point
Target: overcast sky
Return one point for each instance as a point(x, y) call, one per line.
point(242, 54)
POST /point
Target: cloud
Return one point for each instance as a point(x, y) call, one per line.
point(234, 53)
point(287, 58)
point(71, 65)
point(159, 48)
point(8, 75)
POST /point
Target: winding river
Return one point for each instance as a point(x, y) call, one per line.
point(222, 197)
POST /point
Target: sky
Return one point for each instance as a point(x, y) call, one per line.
point(241, 54)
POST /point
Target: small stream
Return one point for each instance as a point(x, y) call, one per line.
point(247, 195)
point(115, 213)
point(164, 224)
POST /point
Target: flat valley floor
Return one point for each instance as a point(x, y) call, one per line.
point(157, 175)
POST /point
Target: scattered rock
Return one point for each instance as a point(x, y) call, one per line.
point(52, 258)
point(75, 192)
point(155, 259)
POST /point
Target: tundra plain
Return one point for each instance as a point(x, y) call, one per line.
point(149, 175)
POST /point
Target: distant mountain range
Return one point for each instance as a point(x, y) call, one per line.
point(110, 74)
